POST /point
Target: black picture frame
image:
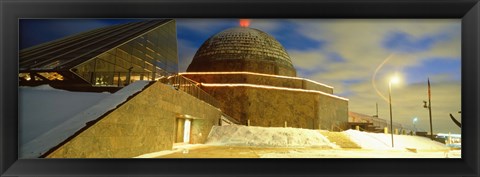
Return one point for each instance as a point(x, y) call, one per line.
point(467, 10)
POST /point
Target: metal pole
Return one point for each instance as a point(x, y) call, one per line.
point(430, 109)
point(414, 127)
point(390, 103)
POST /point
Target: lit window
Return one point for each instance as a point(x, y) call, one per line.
point(25, 76)
point(51, 76)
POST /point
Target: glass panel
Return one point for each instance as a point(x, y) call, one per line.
point(104, 79)
point(85, 70)
point(147, 57)
point(108, 57)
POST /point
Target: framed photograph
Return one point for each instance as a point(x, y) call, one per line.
point(240, 88)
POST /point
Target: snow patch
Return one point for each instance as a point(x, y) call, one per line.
point(43, 108)
point(382, 141)
point(54, 124)
point(240, 135)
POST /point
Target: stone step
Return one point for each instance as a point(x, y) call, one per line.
point(341, 139)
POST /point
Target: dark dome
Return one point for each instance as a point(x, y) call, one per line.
point(242, 49)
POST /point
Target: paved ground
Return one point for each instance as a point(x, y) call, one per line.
point(223, 152)
point(347, 149)
point(205, 151)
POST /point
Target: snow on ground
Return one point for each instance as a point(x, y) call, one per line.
point(48, 116)
point(42, 108)
point(240, 135)
point(382, 141)
point(275, 142)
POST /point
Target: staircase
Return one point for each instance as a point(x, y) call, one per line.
point(341, 139)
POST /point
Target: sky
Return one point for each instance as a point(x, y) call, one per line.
point(355, 56)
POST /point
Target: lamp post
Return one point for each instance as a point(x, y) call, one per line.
point(414, 123)
point(392, 80)
point(429, 107)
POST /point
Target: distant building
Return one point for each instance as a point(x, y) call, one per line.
point(371, 123)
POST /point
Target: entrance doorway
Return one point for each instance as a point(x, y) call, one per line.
point(183, 131)
point(186, 131)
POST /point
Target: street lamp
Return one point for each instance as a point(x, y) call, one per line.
point(393, 80)
point(414, 122)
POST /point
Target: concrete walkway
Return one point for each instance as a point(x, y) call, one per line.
point(228, 152)
point(205, 151)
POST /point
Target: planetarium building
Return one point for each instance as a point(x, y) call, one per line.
point(249, 72)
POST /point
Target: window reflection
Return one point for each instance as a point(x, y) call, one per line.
point(148, 57)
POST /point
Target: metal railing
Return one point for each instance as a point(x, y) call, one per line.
point(191, 87)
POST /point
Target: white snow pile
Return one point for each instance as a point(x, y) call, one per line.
point(381, 141)
point(42, 108)
point(48, 116)
point(240, 135)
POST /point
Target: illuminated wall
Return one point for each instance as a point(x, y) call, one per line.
point(270, 100)
point(144, 124)
point(272, 107)
point(258, 79)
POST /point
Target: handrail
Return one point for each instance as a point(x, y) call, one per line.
point(231, 119)
point(335, 125)
point(189, 86)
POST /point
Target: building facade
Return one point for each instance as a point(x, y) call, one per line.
point(104, 59)
point(251, 75)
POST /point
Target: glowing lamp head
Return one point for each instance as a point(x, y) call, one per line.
point(244, 22)
point(394, 80)
point(415, 119)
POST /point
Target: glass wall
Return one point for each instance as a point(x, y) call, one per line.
point(147, 57)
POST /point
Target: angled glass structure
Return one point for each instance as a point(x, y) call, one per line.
point(103, 59)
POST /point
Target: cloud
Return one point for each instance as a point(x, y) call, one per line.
point(266, 25)
point(435, 53)
point(403, 42)
point(407, 103)
point(207, 27)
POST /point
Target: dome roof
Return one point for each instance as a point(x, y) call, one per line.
point(242, 49)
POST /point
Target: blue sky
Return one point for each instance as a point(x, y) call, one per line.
point(342, 53)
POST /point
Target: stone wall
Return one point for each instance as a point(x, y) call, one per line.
point(273, 107)
point(332, 112)
point(259, 79)
point(144, 124)
point(249, 65)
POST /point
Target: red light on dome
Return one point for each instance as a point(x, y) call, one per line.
point(244, 22)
